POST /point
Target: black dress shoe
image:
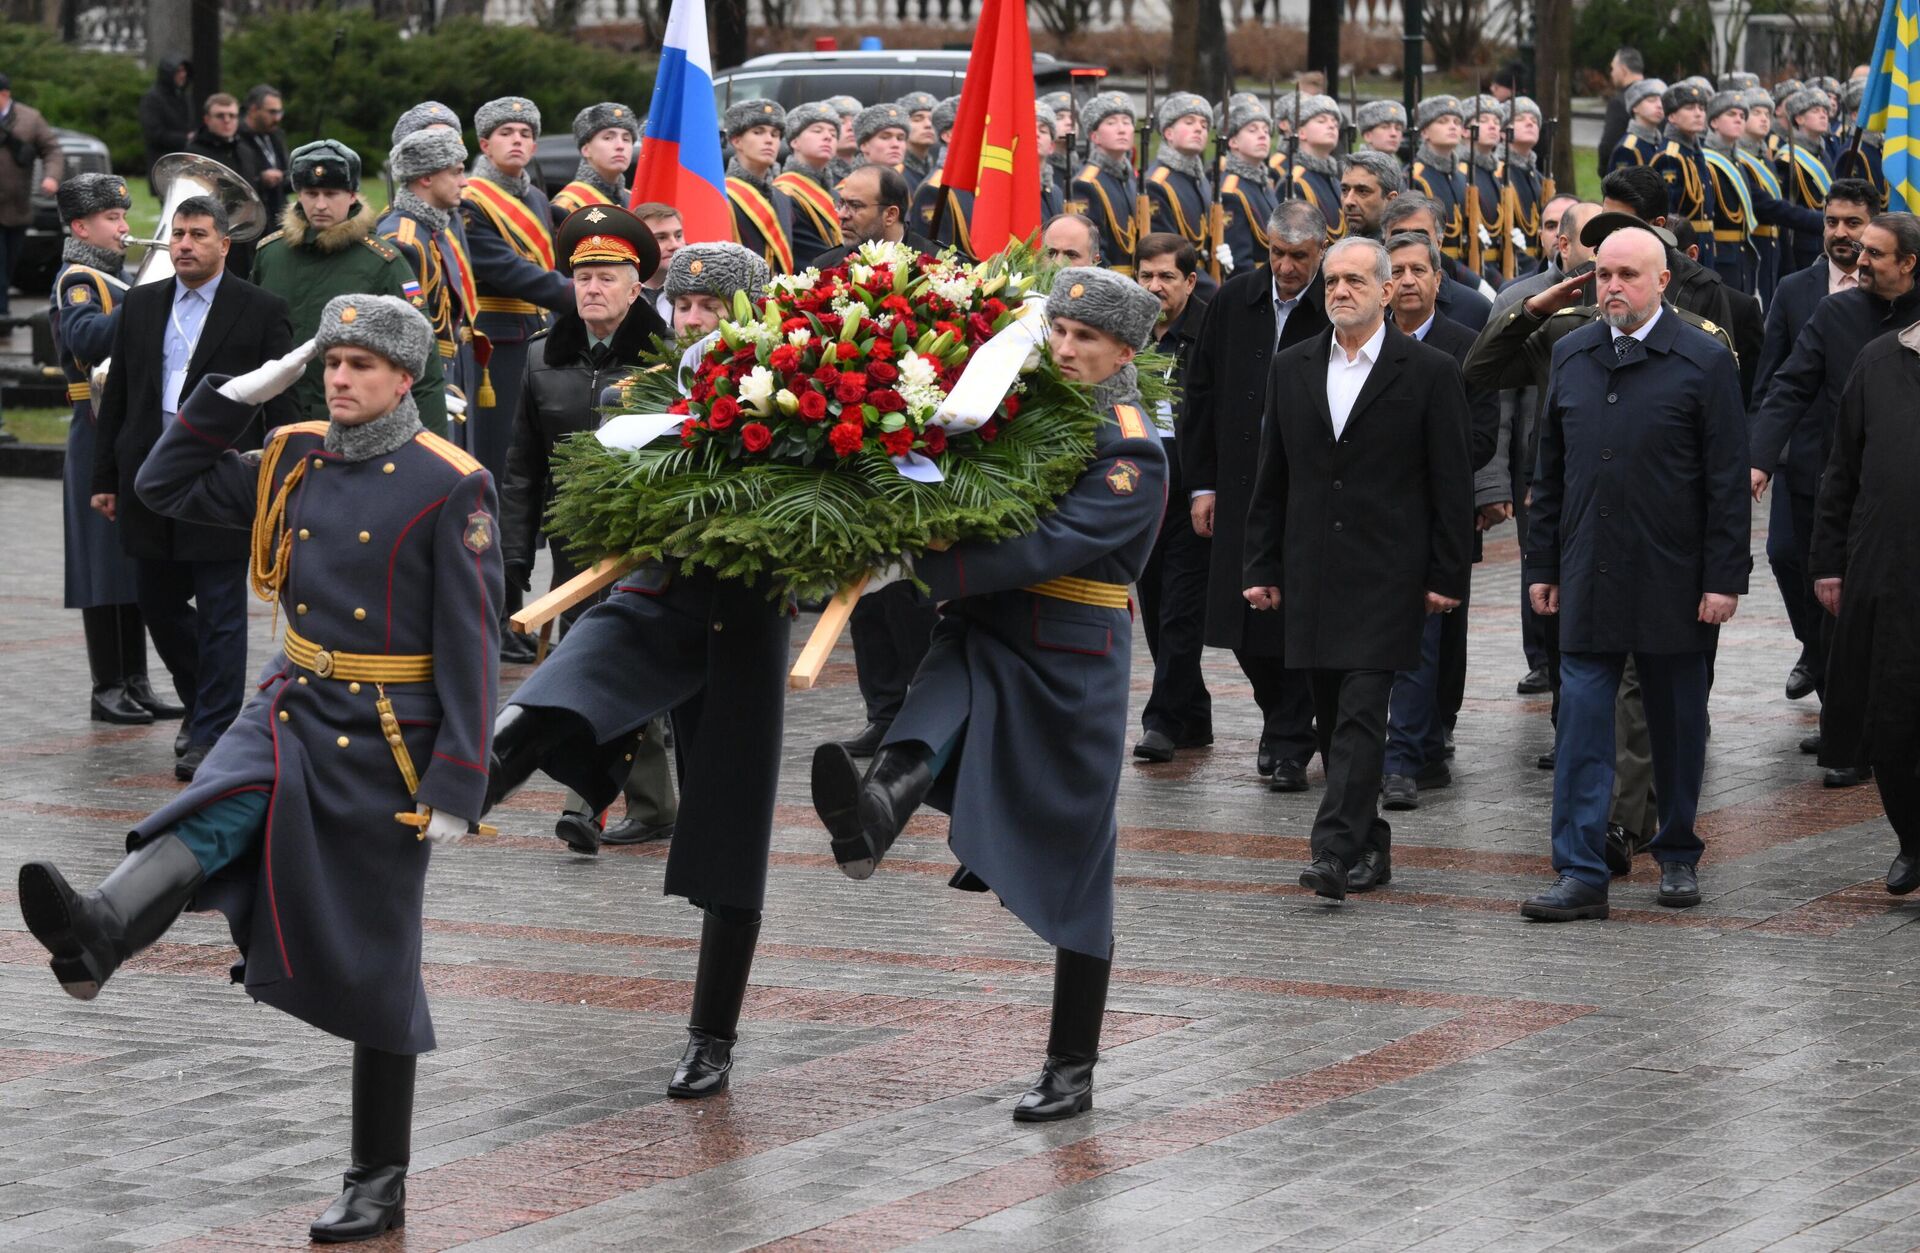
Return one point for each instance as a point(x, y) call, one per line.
point(1327, 878)
point(1446, 743)
point(1195, 739)
point(112, 703)
point(1847, 776)
point(1267, 758)
point(579, 832)
point(1568, 900)
point(517, 649)
point(1679, 885)
point(703, 1068)
point(631, 830)
point(1065, 1088)
point(1399, 792)
point(1619, 850)
point(1811, 745)
point(1534, 683)
point(864, 816)
point(1800, 682)
point(1546, 760)
point(181, 743)
point(1374, 869)
point(1154, 746)
point(1433, 776)
point(143, 695)
point(1903, 876)
point(189, 763)
point(1288, 776)
point(867, 743)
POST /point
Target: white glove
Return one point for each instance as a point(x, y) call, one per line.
point(1225, 254)
point(443, 828)
point(1486, 240)
point(456, 405)
point(1519, 239)
point(893, 572)
point(258, 386)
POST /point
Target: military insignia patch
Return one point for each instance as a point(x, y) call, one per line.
point(479, 536)
point(348, 314)
point(595, 215)
point(1123, 478)
point(79, 295)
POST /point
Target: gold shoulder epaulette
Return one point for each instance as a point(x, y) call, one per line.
point(1133, 424)
point(1087, 175)
point(384, 250)
point(1159, 174)
point(448, 452)
point(1229, 184)
point(297, 428)
point(268, 239)
point(408, 232)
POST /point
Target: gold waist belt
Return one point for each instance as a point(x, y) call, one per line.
point(1729, 237)
point(358, 667)
point(1083, 592)
point(507, 304)
point(77, 392)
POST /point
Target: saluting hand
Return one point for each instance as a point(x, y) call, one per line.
point(1565, 294)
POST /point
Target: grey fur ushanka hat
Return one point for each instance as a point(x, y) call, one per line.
point(1105, 301)
point(716, 270)
point(386, 325)
point(494, 114)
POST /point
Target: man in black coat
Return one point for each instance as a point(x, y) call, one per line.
point(1626, 69)
point(1639, 545)
point(1412, 213)
point(166, 111)
point(192, 578)
point(1360, 527)
point(266, 145)
point(218, 139)
point(1173, 587)
point(873, 209)
point(1255, 315)
point(1427, 697)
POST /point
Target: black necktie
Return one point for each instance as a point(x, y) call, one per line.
point(1622, 345)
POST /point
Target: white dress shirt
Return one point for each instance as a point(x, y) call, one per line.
point(1645, 326)
point(1346, 377)
point(1282, 310)
point(186, 319)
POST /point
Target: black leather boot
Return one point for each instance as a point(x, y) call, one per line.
point(374, 1198)
point(521, 738)
point(719, 988)
point(111, 701)
point(865, 814)
point(91, 933)
point(132, 632)
point(1065, 1086)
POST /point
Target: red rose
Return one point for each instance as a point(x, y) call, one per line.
point(826, 374)
point(886, 400)
point(755, 436)
point(813, 406)
point(934, 438)
point(851, 388)
point(882, 349)
point(990, 430)
point(878, 371)
point(703, 389)
point(831, 322)
point(993, 308)
point(897, 443)
point(744, 353)
point(784, 358)
point(897, 305)
point(722, 413)
point(978, 327)
point(1012, 404)
point(678, 406)
point(944, 326)
point(846, 439)
point(795, 324)
point(687, 431)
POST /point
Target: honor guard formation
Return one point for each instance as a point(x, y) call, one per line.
point(1383, 333)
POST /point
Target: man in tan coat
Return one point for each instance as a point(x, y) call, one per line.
point(24, 134)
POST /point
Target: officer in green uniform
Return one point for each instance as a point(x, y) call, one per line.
point(326, 247)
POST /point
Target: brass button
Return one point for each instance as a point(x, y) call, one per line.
point(283, 715)
point(305, 534)
point(719, 626)
point(364, 537)
point(354, 688)
point(629, 756)
point(300, 608)
point(317, 463)
point(359, 614)
point(342, 741)
point(302, 680)
point(387, 468)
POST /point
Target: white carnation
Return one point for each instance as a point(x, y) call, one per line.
point(916, 371)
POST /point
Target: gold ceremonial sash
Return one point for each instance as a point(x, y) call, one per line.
point(523, 230)
point(765, 219)
point(818, 203)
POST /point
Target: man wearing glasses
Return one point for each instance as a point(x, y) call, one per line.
point(219, 139)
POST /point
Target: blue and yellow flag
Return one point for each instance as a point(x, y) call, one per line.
point(1890, 95)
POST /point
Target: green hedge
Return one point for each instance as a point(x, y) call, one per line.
point(377, 75)
point(1675, 42)
point(95, 92)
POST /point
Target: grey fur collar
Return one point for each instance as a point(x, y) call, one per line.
point(1488, 161)
point(375, 438)
point(763, 183)
point(1754, 147)
point(1717, 144)
point(1317, 164)
point(1237, 164)
point(794, 165)
point(105, 260)
point(419, 210)
point(1188, 163)
point(1445, 161)
point(1673, 136)
point(1521, 160)
point(585, 173)
point(1641, 130)
point(1046, 176)
point(1120, 388)
point(515, 184)
point(1109, 163)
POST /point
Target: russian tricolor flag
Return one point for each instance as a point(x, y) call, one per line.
point(680, 160)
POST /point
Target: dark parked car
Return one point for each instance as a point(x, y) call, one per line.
point(792, 78)
point(40, 254)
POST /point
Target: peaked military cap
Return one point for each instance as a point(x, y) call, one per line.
point(325, 164)
point(812, 113)
point(1722, 101)
point(1105, 301)
point(878, 117)
point(423, 115)
point(494, 114)
point(1433, 108)
point(945, 114)
point(1178, 104)
point(1379, 113)
point(425, 152)
point(606, 234)
point(1641, 90)
point(743, 115)
point(84, 195)
point(607, 115)
point(1601, 225)
point(716, 270)
point(1101, 107)
point(386, 325)
point(1682, 95)
point(922, 102)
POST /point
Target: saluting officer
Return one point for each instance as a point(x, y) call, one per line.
point(1244, 192)
point(1016, 722)
point(428, 168)
point(712, 652)
point(1689, 181)
point(812, 131)
point(762, 213)
point(99, 574)
point(955, 219)
point(1645, 114)
point(1105, 188)
point(1179, 193)
point(607, 135)
point(375, 538)
point(1437, 171)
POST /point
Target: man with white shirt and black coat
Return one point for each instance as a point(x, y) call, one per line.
point(1360, 527)
point(1255, 315)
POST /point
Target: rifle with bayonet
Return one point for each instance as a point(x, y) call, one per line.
point(1509, 202)
point(1217, 210)
point(1142, 209)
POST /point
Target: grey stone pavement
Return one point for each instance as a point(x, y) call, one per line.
point(1416, 1069)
